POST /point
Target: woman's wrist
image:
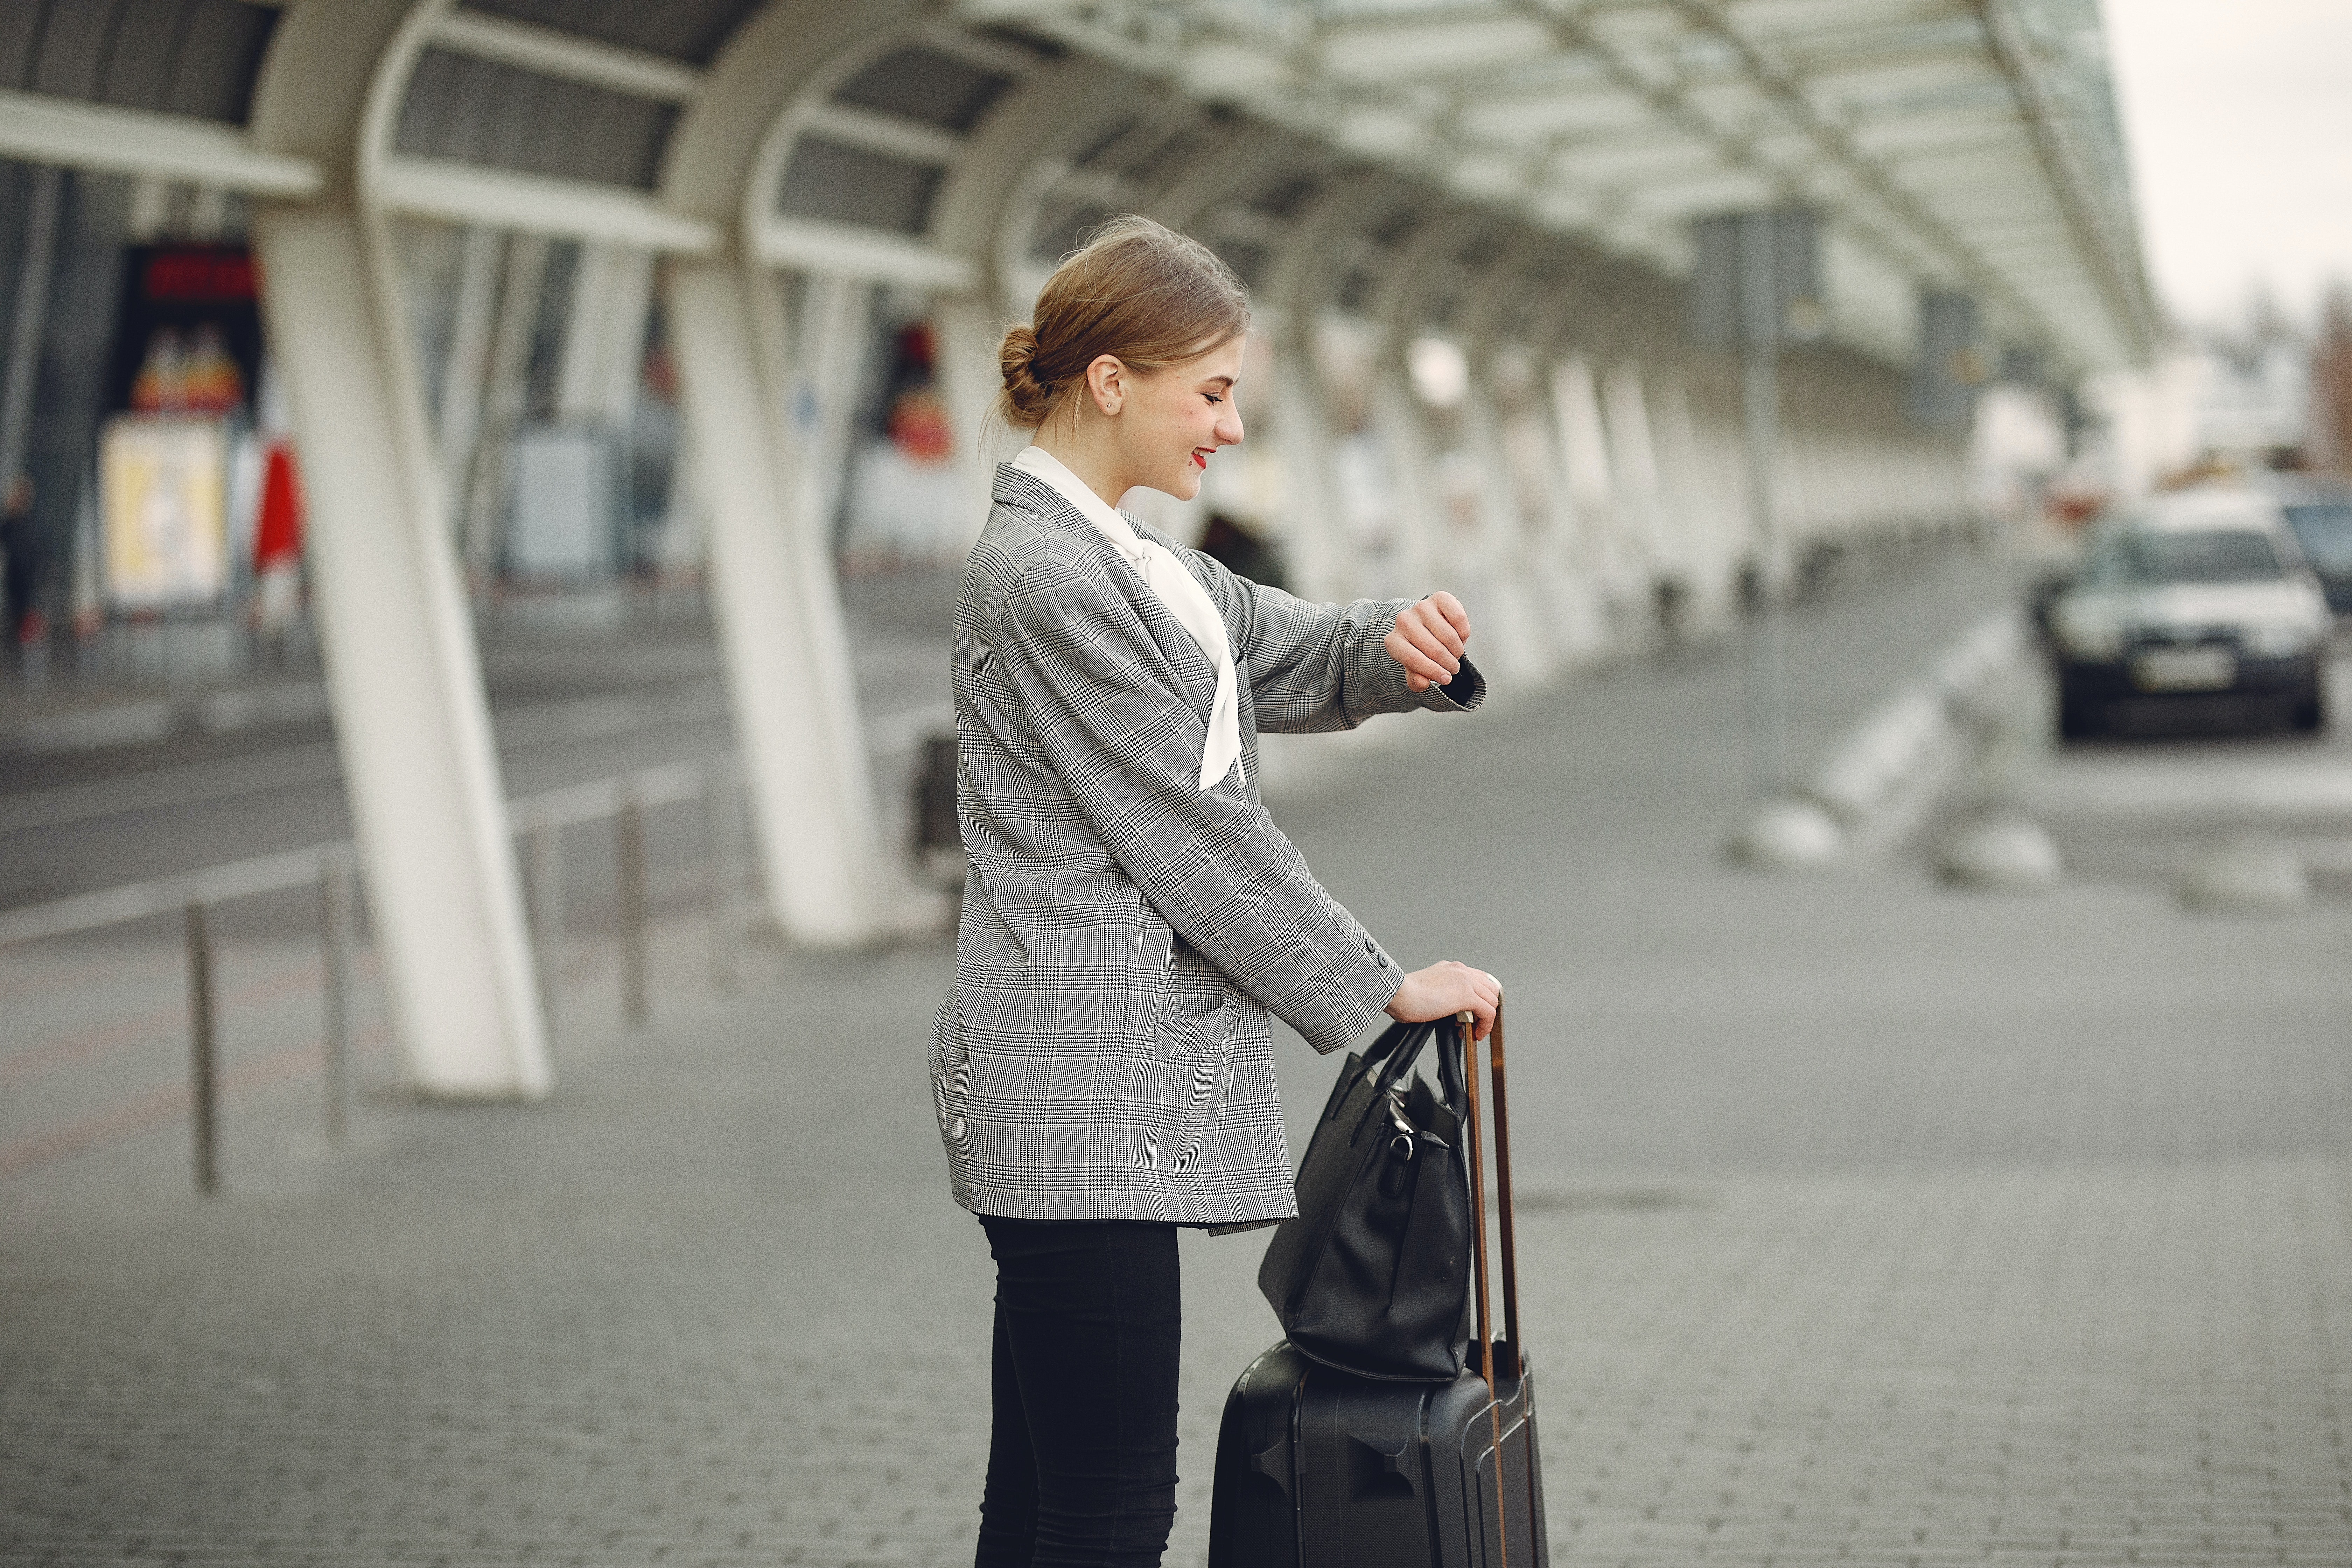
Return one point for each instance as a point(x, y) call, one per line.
point(1396, 1007)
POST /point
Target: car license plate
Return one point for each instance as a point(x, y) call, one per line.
point(2185, 669)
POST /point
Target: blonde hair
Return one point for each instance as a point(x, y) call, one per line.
point(1136, 289)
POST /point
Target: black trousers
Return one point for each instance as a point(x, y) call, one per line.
point(1082, 1458)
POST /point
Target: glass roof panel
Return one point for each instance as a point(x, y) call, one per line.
point(1940, 138)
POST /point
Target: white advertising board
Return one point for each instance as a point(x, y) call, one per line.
point(163, 495)
point(562, 525)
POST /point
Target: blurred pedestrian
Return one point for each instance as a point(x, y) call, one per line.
point(1103, 1066)
point(277, 548)
point(1243, 550)
point(25, 549)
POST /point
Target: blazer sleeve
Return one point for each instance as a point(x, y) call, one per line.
point(1321, 667)
point(1114, 720)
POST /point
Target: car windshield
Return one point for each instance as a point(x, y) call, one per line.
point(2325, 529)
point(2142, 556)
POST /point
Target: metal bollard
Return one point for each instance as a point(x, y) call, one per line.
point(335, 987)
point(203, 1074)
point(629, 852)
point(722, 832)
point(547, 917)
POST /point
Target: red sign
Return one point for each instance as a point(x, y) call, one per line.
point(192, 276)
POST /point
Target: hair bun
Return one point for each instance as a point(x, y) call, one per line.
point(1144, 293)
point(1027, 400)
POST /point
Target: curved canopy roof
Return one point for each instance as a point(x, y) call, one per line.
point(1469, 162)
point(1958, 144)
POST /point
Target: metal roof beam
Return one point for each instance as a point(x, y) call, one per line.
point(42, 128)
point(2114, 259)
point(816, 245)
point(1222, 166)
point(1737, 149)
point(893, 136)
point(977, 49)
point(539, 203)
point(553, 52)
point(1796, 106)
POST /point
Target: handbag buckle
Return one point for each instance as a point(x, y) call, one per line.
point(1406, 1132)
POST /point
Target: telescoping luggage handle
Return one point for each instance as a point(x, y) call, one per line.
point(1467, 1024)
point(1510, 1341)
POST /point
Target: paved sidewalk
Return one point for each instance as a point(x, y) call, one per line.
point(1865, 1222)
point(896, 624)
point(564, 711)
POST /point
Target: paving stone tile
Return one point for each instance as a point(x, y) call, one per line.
point(1861, 1222)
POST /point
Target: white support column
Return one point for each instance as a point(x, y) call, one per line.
point(1846, 443)
point(1298, 290)
point(1508, 550)
point(1726, 533)
point(465, 373)
point(1830, 468)
point(965, 331)
point(410, 718)
point(778, 609)
point(505, 393)
point(1867, 485)
point(1814, 522)
point(21, 371)
point(1793, 505)
point(1594, 553)
point(603, 343)
point(1563, 591)
point(986, 208)
point(603, 360)
point(1400, 307)
point(1683, 493)
point(771, 586)
point(1396, 418)
point(835, 313)
point(1633, 459)
point(1311, 531)
point(1498, 562)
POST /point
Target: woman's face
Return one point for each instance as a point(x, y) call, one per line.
point(1176, 418)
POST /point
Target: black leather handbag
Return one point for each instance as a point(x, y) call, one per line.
point(1372, 1276)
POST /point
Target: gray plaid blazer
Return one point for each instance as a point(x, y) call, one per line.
point(1106, 1050)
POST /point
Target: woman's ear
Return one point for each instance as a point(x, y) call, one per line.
point(1107, 383)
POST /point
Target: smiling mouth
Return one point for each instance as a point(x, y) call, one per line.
point(1201, 457)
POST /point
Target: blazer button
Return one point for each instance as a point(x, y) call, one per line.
point(1384, 960)
point(1368, 945)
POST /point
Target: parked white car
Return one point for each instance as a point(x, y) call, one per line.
point(2197, 597)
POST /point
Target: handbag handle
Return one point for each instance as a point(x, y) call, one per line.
point(1394, 1055)
point(1391, 1056)
point(1383, 1053)
point(1450, 1064)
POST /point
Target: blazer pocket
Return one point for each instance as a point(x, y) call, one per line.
point(1210, 1033)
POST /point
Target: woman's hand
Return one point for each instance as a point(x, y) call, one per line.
point(1445, 989)
point(1428, 640)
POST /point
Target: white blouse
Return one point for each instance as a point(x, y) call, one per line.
point(1177, 589)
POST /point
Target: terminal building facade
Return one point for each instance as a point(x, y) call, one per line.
point(379, 319)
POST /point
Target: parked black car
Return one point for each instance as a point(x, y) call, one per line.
point(2320, 513)
point(2194, 598)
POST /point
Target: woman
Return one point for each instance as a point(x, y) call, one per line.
point(1103, 1067)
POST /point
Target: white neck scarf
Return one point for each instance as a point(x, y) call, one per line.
point(1177, 589)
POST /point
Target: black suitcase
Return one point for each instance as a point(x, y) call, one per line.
point(1320, 1468)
